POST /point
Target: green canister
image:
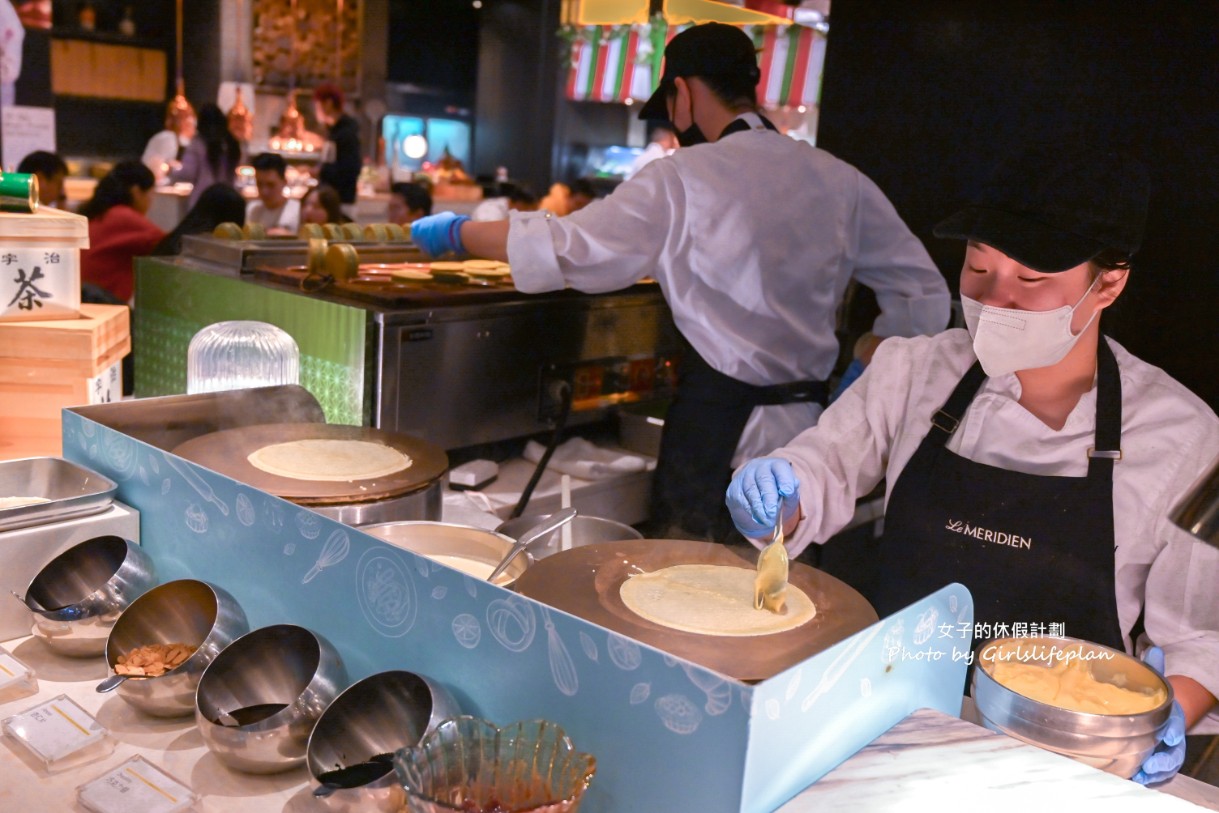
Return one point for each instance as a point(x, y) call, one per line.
point(18, 192)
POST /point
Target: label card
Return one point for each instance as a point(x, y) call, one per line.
point(11, 669)
point(136, 785)
point(39, 282)
point(55, 729)
point(16, 678)
point(107, 386)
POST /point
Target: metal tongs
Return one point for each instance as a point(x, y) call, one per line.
point(770, 584)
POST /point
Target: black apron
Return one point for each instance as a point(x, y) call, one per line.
point(703, 426)
point(1032, 549)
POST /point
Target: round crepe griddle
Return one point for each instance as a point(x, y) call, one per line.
point(585, 582)
point(228, 450)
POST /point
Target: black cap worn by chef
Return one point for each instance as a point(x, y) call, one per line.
point(710, 49)
point(1052, 207)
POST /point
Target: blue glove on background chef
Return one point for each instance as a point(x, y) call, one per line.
point(1169, 755)
point(763, 492)
point(439, 234)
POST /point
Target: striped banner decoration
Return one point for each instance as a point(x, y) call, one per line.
point(791, 60)
point(617, 63)
point(604, 66)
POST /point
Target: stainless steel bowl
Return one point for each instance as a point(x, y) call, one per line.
point(76, 597)
point(585, 530)
point(1115, 743)
point(431, 539)
point(375, 716)
point(186, 611)
point(259, 699)
point(421, 504)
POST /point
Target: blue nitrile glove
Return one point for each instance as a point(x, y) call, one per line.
point(439, 234)
point(853, 371)
point(757, 493)
point(1169, 755)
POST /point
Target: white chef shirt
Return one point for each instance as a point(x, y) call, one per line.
point(1169, 438)
point(287, 216)
point(491, 209)
point(652, 152)
point(163, 149)
point(753, 240)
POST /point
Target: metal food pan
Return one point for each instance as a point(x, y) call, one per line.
point(73, 491)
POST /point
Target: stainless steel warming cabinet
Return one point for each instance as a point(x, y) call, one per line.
point(458, 364)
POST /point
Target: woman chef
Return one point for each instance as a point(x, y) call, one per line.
point(1026, 458)
point(753, 237)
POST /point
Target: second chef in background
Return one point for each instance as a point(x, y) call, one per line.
point(754, 238)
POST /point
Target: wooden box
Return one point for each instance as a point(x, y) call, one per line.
point(46, 366)
point(40, 265)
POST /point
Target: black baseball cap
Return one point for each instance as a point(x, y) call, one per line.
point(710, 49)
point(1052, 207)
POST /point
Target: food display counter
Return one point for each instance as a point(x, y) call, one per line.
point(652, 718)
point(844, 707)
point(868, 717)
point(458, 364)
point(916, 759)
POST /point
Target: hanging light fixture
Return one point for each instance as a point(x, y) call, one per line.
point(338, 45)
point(179, 107)
point(292, 135)
point(241, 120)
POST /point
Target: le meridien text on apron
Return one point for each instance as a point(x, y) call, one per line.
point(977, 631)
point(987, 535)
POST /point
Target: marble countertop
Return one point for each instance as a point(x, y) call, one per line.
point(928, 760)
point(932, 761)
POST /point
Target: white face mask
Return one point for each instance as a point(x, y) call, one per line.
point(1006, 339)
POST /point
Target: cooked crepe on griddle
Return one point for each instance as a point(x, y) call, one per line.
point(711, 600)
point(329, 460)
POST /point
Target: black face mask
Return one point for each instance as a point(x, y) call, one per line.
point(690, 136)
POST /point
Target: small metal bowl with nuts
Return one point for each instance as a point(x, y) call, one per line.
point(162, 642)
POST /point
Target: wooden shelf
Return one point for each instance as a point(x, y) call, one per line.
point(103, 70)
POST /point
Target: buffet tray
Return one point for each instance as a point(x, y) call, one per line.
point(393, 293)
point(72, 491)
point(246, 255)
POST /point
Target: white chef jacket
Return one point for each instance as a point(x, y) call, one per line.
point(162, 149)
point(287, 216)
point(1169, 439)
point(652, 152)
point(753, 240)
point(491, 209)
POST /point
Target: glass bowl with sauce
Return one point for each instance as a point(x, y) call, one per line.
point(470, 765)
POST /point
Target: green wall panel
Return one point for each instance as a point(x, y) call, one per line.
point(174, 302)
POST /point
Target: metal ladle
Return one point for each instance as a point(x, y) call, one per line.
point(555, 520)
point(327, 787)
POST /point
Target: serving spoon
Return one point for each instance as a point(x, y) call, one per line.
point(555, 520)
point(771, 582)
